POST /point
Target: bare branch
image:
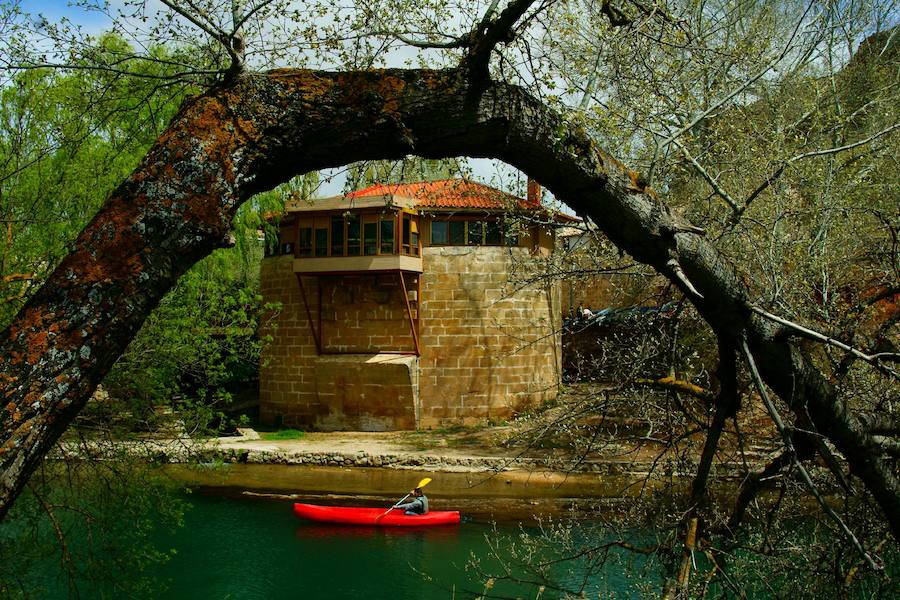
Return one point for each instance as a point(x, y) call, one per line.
point(242, 20)
point(16, 277)
point(215, 33)
point(115, 71)
point(234, 53)
point(879, 423)
point(873, 359)
point(751, 486)
point(886, 445)
point(773, 177)
point(65, 555)
point(739, 89)
point(789, 448)
point(677, 385)
point(709, 178)
point(460, 42)
point(617, 17)
point(678, 272)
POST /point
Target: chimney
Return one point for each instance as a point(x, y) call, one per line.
point(534, 191)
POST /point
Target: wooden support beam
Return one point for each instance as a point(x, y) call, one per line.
point(309, 319)
point(412, 323)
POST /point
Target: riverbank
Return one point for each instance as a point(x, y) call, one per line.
point(484, 450)
point(612, 459)
point(475, 468)
point(515, 495)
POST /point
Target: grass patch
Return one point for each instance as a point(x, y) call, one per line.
point(282, 434)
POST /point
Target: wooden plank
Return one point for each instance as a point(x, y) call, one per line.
point(309, 318)
point(412, 324)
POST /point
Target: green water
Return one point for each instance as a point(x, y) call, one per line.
point(240, 549)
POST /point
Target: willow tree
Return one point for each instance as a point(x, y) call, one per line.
point(253, 129)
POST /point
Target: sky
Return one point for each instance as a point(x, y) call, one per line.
point(56, 9)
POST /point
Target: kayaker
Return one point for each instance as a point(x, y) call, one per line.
point(417, 506)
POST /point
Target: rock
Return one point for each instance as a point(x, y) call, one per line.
point(247, 434)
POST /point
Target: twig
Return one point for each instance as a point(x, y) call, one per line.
point(789, 447)
point(677, 385)
point(753, 79)
point(66, 557)
point(785, 164)
point(872, 359)
point(709, 178)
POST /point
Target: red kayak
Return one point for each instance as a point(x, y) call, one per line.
point(348, 515)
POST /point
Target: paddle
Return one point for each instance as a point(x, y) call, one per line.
point(422, 484)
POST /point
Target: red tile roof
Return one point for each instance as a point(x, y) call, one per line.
point(448, 193)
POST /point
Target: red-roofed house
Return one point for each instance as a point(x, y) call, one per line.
point(397, 312)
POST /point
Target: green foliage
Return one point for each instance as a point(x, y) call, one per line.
point(200, 347)
point(283, 434)
point(85, 530)
point(67, 138)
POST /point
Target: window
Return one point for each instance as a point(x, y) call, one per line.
point(353, 246)
point(493, 233)
point(357, 234)
point(305, 242)
point(476, 233)
point(337, 236)
point(387, 236)
point(457, 233)
point(414, 235)
point(440, 233)
point(321, 241)
point(370, 238)
point(410, 236)
point(404, 236)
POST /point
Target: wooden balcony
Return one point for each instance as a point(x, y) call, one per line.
point(325, 265)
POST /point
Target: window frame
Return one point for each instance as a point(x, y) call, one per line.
point(323, 228)
point(486, 225)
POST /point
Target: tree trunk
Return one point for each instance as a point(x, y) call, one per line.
point(232, 142)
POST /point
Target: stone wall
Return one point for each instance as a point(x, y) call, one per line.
point(358, 389)
point(367, 392)
point(287, 381)
point(487, 352)
point(365, 314)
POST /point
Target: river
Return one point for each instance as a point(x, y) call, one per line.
point(247, 549)
point(243, 547)
point(250, 548)
point(239, 542)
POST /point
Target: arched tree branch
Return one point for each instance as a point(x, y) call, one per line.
point(262, 129)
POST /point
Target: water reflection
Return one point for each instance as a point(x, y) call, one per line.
point(436, 534)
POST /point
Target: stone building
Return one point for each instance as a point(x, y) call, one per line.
point(397, 311)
